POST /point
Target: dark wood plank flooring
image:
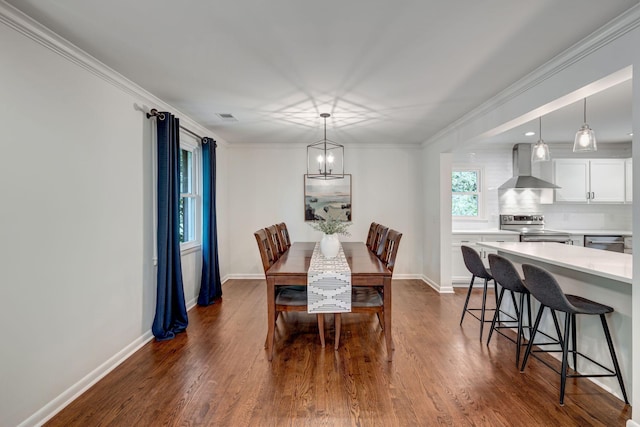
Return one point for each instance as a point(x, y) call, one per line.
point(217, 373)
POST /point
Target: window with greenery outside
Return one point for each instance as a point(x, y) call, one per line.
point(464, 193)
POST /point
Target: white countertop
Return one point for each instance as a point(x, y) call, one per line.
point(612, 265)
point(484, 231)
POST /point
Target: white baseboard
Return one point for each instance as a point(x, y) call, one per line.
point(631, 423)
point(435, 285)
point(56, 405)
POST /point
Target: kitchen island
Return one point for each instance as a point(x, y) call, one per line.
point(599, 275)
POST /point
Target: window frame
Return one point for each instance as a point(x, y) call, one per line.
point(480, 192)
point(191, 144)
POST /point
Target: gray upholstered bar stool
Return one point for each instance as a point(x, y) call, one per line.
point(544, 287)
point(474, 264)
point(505, 274)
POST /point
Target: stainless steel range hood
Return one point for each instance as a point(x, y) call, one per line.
point(522, 171)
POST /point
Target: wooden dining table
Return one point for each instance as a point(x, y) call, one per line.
point(366, 270)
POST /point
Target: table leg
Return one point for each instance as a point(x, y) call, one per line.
point(387, 317)
point(271, 314)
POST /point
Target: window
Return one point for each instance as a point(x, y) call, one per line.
point(188, 209)
point(466, 193)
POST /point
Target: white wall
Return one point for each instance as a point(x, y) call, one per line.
point(77, 293)
point(266, 187)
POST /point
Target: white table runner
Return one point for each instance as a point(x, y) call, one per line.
point(328, 283)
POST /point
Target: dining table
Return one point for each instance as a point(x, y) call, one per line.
point(366, 270)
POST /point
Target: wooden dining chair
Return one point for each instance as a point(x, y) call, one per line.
point(287, 298)
point(283, 233)
point(365, 299)
point(276, 241)
point(371, 234)
point(379, 238)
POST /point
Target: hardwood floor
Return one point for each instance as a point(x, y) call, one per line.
point(217, 373)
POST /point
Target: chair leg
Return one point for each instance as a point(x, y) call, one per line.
point(321, 328)
point(529, 313)
point(574, 342)
point(484, 304)
point(496, 315)
point(557, 325)
point(466, 302)
point(531, 338)
point(565, 362)
point(338, 325)
point(520, 313)
point(616, 366)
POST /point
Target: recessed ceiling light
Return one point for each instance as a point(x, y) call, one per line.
point(630, 134)
point(530, 133)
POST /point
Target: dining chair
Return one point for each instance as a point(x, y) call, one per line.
point(287, 298)
point(276, 241)
point(283, 233)
point(371, 234)
point(366, 299)
point(379, 238)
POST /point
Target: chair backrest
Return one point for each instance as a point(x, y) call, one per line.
point(371, 235)
point(473, 262)
point(284, 234)
point(278, 248)
point(266, 253)
point(380, 236)
point(544, 287)
point(390, 249)
point(505, 273)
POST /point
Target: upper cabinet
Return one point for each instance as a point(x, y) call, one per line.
point(590, 180)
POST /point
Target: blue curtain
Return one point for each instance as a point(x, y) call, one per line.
point(210, 286)
point(171, 311)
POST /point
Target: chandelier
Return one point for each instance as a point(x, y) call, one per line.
point(325, 158)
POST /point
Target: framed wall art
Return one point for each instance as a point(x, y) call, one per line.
point(325, 199)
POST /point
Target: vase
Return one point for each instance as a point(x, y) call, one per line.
point(330, 245)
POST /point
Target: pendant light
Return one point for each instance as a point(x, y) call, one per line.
point(585, 137)
point(540, 152)
point(325, 158)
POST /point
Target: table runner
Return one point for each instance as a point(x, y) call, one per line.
point(328, 283)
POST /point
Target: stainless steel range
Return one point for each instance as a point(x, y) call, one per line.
point(531, 228)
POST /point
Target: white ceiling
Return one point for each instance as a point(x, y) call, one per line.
point(388, 71)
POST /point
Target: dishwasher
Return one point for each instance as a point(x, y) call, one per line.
point(608, 243)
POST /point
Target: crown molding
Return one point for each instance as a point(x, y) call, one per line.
point(614, 29)
point(27, 26)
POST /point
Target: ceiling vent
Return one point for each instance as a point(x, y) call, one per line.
point(227, 117)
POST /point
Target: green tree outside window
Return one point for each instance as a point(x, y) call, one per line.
point(465, 186)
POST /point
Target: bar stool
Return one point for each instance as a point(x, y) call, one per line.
point(544, 287)
point(505, 274)
point(474, 264)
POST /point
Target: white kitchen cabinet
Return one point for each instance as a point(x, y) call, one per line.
point(628, 180)
point(589, 180)
point(459, 272)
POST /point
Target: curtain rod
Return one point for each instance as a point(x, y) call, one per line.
point(155, 113)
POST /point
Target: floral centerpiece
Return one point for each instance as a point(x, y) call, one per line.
point(331, 227)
